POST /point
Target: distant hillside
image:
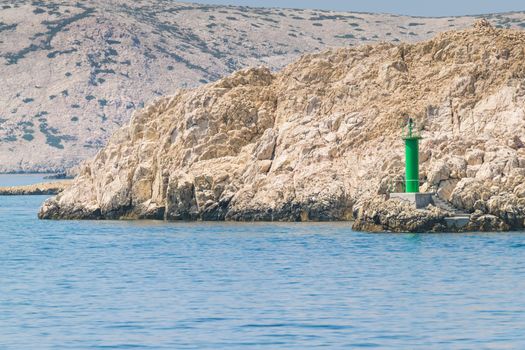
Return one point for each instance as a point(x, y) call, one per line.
point(73, 72)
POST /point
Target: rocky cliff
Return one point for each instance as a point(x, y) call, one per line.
point(73, 71)
point(320, 140)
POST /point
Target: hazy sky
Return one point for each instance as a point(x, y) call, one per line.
point(408, 7)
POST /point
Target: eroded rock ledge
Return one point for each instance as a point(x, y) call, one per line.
point(47, 188)
point(382, 215)
point(320, 140)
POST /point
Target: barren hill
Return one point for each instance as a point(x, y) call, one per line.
point(73, 72)
point(323, 136)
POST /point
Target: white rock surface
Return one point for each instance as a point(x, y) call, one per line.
point(320, 138)
point(73, 72)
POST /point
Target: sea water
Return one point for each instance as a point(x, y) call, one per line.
point(127, 284)
point(23, 179)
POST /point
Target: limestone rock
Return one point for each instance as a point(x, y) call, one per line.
point(320, 140)
point(379, 215)
point(74, 71)
point(475, 157)
point(46, 188)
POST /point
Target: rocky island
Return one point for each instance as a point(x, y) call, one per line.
point(320, 140)
point(46, 188)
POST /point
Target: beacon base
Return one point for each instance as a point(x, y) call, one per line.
point(418, 200)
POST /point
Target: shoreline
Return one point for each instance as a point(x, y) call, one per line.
point(44, 188)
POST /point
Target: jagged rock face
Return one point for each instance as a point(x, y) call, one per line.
point(73, 71)
point(380, 215)
point(323, 136)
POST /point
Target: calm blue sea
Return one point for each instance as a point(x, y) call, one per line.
point(151, 285)
point(22, 179)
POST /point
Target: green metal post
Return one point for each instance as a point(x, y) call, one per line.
point(412, 165)
point(411, 160)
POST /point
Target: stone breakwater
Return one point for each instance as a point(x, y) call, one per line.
point(320, 140)
point(48, 188)
point(382, 215)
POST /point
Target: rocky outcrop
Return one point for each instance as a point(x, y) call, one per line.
point(321, 139)
point(47, 188)
point(380, 215)
point(386, 215)
point(74, 71)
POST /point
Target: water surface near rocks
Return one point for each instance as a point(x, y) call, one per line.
point(23, 179)
point(156, 285)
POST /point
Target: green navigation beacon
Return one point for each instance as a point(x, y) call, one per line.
point(411, 158)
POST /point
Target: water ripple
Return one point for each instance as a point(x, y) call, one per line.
point(125, 285)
